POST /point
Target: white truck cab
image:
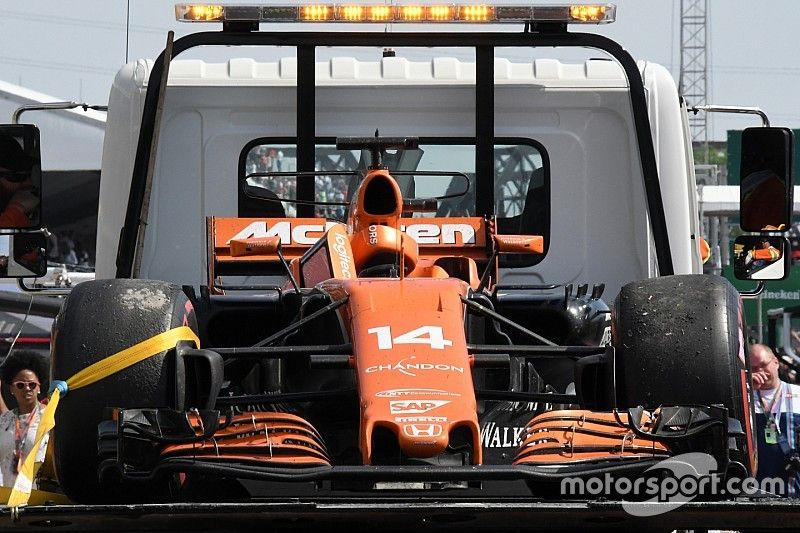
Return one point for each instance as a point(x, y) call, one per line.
point(574, 117)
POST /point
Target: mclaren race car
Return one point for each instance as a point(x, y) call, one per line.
point(389, 358)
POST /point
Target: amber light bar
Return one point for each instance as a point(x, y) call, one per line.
point(398, 13)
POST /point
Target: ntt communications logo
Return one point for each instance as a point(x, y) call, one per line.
point(692, 475)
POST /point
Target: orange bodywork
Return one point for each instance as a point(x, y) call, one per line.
point(410, 352)
point(520, 243)
point(377, 202)
point(264, 438)
point(568, 436)
point(411, 361)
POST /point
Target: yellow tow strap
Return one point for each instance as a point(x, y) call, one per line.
point(37, 497)
point(21, 492)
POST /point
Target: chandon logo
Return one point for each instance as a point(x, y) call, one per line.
point(408, 367)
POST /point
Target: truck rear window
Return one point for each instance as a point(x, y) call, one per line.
point(521, 180)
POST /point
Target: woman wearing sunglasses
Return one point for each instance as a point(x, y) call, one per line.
point(24, 372)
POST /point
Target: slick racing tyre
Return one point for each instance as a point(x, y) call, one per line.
point(679, 341)
point(100, 318)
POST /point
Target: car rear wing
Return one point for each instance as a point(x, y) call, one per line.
point(436, 237)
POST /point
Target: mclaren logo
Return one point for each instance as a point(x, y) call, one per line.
point(408, 367)
point(440, 234)
point(415, 407)
point(307, 234)
point(289, 233)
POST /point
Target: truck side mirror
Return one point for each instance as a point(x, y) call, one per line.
point(760, 258)
point(20, 176)
point(23, 255)
point(766, 179)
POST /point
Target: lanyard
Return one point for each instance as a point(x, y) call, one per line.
point(768, 410)
point(20, 436)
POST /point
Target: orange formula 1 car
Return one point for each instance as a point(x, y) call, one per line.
point(390, 359)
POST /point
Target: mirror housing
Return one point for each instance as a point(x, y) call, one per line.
point(23, 255)
point(760, 258)
point(20, 177)
point(766, 179)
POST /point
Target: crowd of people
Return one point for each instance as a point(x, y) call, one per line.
point(330, 190)
point(264, 158)
point(67, 248)
point(327, 189)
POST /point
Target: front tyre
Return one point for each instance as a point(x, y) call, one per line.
point(679, 341)
point(100, 318)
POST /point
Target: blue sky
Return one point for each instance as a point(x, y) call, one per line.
point(72, 50)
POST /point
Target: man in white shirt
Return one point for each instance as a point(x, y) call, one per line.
point(777, 406)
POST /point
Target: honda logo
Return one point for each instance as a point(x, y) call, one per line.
point(422, 430)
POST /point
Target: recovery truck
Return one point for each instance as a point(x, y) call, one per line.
point(360, 277)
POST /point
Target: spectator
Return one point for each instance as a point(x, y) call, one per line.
point(68, 254)
point(52, 247)
point(765, 253)
point(24, 371)
point(777, 406)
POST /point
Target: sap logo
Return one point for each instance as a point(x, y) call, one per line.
point(289, 234)
point(398, 393)
point(436, 234)
point(494, 436)
point(422, 430)
point(404, 366)
point(415, 406)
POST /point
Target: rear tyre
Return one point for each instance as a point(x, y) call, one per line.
point(100, 318)
point(679, 341)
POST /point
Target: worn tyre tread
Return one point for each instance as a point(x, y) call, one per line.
point(678, 342)
point(99, 318)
